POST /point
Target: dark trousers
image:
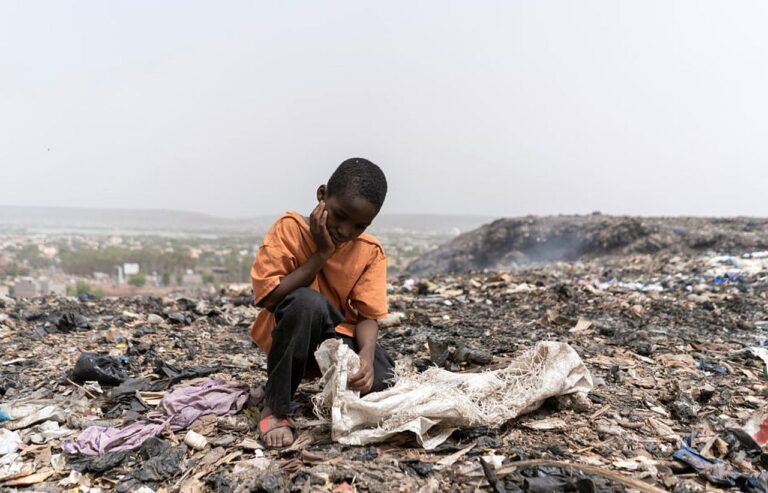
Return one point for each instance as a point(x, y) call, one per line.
point(304, 319)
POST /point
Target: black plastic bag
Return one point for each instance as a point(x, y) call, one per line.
point(103, 369)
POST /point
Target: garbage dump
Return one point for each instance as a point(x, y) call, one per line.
point(509, 243)
point(666, 387)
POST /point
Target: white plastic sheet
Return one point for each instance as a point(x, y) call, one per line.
point(433, 404)
point(9, 441)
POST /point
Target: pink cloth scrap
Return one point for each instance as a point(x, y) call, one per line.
point(178, 409)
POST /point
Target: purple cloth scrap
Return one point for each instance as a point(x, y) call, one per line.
point(178, 409)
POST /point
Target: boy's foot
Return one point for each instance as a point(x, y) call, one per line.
point(275, 431)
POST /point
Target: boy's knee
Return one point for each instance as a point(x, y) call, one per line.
point(306, 302)
point(309, 309)
point(383, 375)
point(383, 381)
point(306, 299)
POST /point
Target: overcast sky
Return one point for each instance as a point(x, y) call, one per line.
point(500, 108)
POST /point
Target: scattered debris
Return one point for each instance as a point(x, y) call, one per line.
point(513, 242)
point(103, 369)
point(673, 341)
point(195, 440)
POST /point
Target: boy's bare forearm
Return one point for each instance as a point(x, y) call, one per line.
point(299, 278)
point(366, 334)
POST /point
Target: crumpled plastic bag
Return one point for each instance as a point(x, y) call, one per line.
point(47, 431)
point(40, 406)
point(433, 404)
point(9, 441)
point(13, 466)
point(106, 370)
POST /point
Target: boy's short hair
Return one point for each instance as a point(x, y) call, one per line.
point(358, 177)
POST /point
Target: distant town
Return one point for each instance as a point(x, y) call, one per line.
point(34, 264)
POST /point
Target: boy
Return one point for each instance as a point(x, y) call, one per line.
point(319, 277)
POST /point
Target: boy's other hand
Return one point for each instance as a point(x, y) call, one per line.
point(317, 225)
point(363, 379)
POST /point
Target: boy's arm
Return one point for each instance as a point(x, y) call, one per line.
point(369, 297)
point(299, 278)
point(307, 271)
point(366, 334)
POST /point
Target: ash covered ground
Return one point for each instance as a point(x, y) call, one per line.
point(667, 335)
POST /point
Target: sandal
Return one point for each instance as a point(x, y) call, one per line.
point(271, 423)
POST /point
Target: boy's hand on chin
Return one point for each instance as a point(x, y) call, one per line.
point(363, 379)
point(318, 228)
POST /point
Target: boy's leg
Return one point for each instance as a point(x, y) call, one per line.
point(303, 320)
point(383, 364)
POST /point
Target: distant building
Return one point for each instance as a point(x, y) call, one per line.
point(125, 271)
point(153, 280)
point(48, 251)
point(48, 286)
point(26, 288)
point(192, 280)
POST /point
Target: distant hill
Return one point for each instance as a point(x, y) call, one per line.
point(428, 223)
point(160, 221)
point(106, 219)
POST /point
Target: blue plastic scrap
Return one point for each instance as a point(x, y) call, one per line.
point(718, 472)
point(693, 458)
point(4, 416)
point(711, 367)
point(732, 277)
point(715, 471)
point(719, 280)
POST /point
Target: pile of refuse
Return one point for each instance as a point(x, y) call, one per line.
point(513, 242)
point(666, 387)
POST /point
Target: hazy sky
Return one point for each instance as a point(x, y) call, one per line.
point(501, 108)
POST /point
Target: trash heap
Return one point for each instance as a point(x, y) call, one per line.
point(149, 394)
point(509, 243)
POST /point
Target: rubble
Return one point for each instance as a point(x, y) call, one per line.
point(673, 342)
point(511, 242)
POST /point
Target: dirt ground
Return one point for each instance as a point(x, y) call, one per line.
point(666, 338)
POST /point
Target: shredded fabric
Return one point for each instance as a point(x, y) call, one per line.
point(433, 404)
point(177, 410)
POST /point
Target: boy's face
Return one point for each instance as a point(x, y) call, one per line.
point(348, 217)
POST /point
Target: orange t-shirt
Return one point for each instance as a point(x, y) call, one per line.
point(354, 278)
